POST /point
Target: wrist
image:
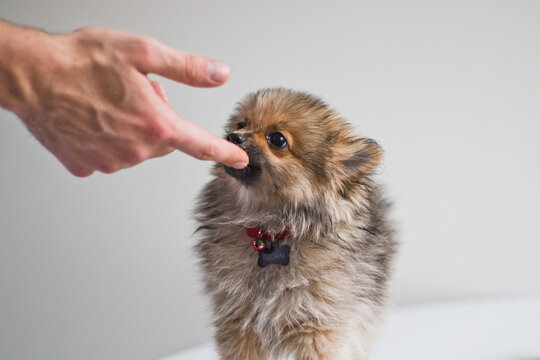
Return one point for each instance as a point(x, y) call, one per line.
point(25, 54)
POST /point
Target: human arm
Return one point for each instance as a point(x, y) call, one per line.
point(86, 97)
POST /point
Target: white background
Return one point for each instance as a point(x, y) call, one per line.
point(102, 267)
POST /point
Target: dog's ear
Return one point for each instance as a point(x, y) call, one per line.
point(357, 158)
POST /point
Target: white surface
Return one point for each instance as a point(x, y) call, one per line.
point(488, 329)
point(102, 268)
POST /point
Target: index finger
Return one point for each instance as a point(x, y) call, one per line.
point(199, 143)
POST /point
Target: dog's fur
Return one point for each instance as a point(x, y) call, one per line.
point(327, 302)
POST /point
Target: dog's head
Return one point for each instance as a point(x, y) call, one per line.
point(298, 148)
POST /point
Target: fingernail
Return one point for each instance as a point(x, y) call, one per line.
point(240, 165)
point(218, 72)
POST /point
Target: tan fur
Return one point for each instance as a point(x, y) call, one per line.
point(328, 301)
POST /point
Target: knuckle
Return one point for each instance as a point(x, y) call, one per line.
point(85, 30)
point(107, 168)
point(144, 51)
point(75, 167)
point(80, 172)
point(156, 130)
point(133, 156)
point(192, 68)
point(93, 36)
point(142, 48)
point(207, 152)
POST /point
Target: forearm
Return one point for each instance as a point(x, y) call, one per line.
point(23, 51)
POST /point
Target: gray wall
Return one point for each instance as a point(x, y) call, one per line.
point(102, 268)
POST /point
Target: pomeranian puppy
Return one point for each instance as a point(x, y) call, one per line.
point(296, 248)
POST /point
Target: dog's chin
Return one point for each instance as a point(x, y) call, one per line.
point(248, 175)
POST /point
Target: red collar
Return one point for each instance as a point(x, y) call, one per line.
point(258, 233)
point(262, 238)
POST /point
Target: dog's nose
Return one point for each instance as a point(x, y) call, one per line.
point(236, 138)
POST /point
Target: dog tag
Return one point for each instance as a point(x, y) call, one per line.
point(274, 255)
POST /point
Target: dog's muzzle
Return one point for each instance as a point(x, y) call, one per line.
point(251, 172)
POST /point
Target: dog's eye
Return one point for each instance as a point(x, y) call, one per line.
point(277, 140)
point(241, 125)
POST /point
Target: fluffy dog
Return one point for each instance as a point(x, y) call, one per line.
point(296, 248)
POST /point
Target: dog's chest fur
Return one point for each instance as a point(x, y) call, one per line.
point(335, 281)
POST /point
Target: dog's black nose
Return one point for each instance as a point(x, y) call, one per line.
point(236, 139)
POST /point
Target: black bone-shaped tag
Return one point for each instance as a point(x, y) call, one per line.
point(274, 255)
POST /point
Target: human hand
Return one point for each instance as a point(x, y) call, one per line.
point(86, 97)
